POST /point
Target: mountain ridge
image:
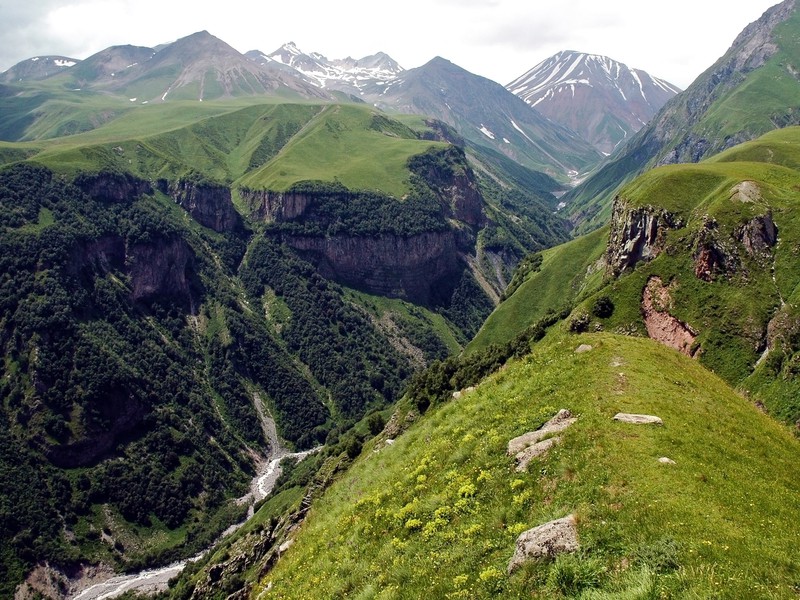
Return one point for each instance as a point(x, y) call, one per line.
point(603, 100)
point(748, 91)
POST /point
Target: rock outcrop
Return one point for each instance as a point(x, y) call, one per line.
point(758, 236)
point(160, 267)
point(415, 268)
point(100, 255)
point(113, 187)
point(529, 445)
point(634, 419)
point(275, 207)
point(661, 325)
point(209, 204)
point(719, 252)
point(415, 248)
point(637, 234)
point(545, 541)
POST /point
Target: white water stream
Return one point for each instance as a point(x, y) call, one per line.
point(156, 580)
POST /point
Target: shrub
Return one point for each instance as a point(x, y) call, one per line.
point(603, 307)
point(660, 556)
point(580, 323)
point(375, 422)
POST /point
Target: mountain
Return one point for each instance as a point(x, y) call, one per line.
point(188, 291)
point(546, 463)
point(197, 67)
point(753, 88)
point(486, 114)
point(201, 67)
point(481, 111)
point(109, 65)
point(356, 77)
point(603, 100)
point(36, 68)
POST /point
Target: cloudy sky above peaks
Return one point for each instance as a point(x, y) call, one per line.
point(498, 39)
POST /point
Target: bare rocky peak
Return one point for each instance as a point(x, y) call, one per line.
point(754, 46)
point(347, 74)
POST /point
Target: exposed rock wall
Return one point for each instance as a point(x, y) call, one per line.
point(100, 255)
point(276, 207)
point(210, 205)
point(637, 234)
point(661, 325)
point(159, 267)
point(113, 187)
point(422, 267)
point(388, 265)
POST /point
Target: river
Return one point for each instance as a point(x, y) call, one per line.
point(156, 580)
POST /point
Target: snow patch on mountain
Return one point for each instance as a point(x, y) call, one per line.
point(593, 95)
point(488, 133)
point(347, 74)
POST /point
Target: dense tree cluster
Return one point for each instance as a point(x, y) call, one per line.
point(344, 351)
point(105, 400)
point(337, 210)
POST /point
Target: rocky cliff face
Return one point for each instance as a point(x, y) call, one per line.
point(275, 207)
point(160, 267)
point(455, 185)
point(418, 268)
point(113, 187)
point(661, 325)
point(637, 234)
point(210, 205)
point(420, 264)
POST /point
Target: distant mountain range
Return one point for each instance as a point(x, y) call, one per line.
point(565, 136)
point(480, 110)
point(603, 100)
point(349, 75)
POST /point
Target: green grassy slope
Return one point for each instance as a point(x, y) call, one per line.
point(268, 145)
point(567, 273)
point(353, 144)
point(437, 513)
point(745, 313)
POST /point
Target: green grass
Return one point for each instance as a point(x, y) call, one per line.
point(567, 274)
point(736, 313)
point(349, 144)
point(437, 513)
point(268, 145)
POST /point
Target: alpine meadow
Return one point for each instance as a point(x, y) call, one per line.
point(276, 325)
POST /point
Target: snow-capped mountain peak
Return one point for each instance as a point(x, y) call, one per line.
point(348, 74)
point(602, 99)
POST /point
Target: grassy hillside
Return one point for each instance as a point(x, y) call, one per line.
point(268, 145)
point(567, 273)
point(355, 145)
point(437, 513)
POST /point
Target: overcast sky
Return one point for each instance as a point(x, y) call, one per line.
point(499, 39)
